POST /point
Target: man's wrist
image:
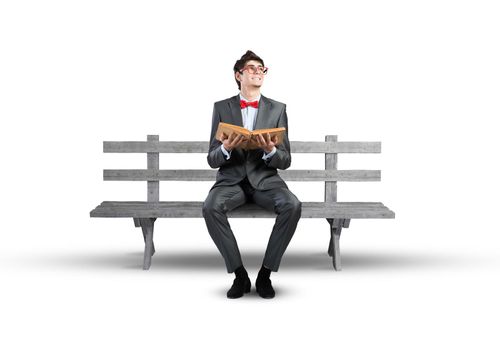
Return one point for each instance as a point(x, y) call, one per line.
point(272, 149)
point(227, 154)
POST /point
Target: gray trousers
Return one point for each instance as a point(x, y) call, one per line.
point(222, 199)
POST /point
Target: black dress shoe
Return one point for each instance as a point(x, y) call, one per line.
point(239, 287)
point(264, 288)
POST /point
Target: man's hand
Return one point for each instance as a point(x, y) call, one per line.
point(266, 142)
point(232, 141)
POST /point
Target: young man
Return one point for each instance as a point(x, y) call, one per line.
point(250, 176)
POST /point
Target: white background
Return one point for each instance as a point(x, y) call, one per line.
point(420, 76)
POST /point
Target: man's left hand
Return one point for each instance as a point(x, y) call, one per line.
point(266, 142)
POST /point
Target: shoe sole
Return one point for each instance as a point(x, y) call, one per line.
point(266, 296)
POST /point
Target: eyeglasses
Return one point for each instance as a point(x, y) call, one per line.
point(255, 69)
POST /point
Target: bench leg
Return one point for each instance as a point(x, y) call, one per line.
point(147, 225)
point(137, 223)
point(334, 245)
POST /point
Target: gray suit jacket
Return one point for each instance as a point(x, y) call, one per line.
point(261, 174)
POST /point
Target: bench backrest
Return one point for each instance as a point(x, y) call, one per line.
point(153, 175)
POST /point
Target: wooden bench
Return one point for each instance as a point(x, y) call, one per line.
point(338, 214)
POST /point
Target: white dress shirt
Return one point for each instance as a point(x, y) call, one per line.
point(249, 113)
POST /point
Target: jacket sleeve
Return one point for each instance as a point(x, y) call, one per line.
point(282, 158)
point(215, 155)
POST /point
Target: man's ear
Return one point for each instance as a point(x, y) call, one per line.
point(237, 76)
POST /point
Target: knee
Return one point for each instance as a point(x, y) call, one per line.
point(297, 207)
point(293, 206)
point(210, 208)
point(207, 208)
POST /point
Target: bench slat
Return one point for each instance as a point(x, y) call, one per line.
point(168, 204)
point(175, 209)
point(202, 147)
point(210, 175)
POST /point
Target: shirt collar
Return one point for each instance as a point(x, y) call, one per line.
point(244, 99)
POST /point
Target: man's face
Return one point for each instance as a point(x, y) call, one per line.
point(250, 76)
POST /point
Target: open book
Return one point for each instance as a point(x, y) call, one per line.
point(250, 136)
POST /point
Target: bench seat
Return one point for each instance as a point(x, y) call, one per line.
point(337, 210)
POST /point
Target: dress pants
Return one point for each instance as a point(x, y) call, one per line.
point(222, 199)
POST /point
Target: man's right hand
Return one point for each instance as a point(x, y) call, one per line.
point(232, 141)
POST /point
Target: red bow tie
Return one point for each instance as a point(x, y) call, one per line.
point(244, 104)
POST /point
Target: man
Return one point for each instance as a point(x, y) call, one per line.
point(250, 176)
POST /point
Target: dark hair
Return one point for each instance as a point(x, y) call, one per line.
point(248, 56)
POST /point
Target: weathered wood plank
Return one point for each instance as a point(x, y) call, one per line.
point(194, 210)
point(210, 175)
point(197, 203)
point(192, 213)
point(153, 165)
point(330, 164)
point(202, 147)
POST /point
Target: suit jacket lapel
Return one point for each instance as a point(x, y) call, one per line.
point(234, 104)
point(262, 117)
